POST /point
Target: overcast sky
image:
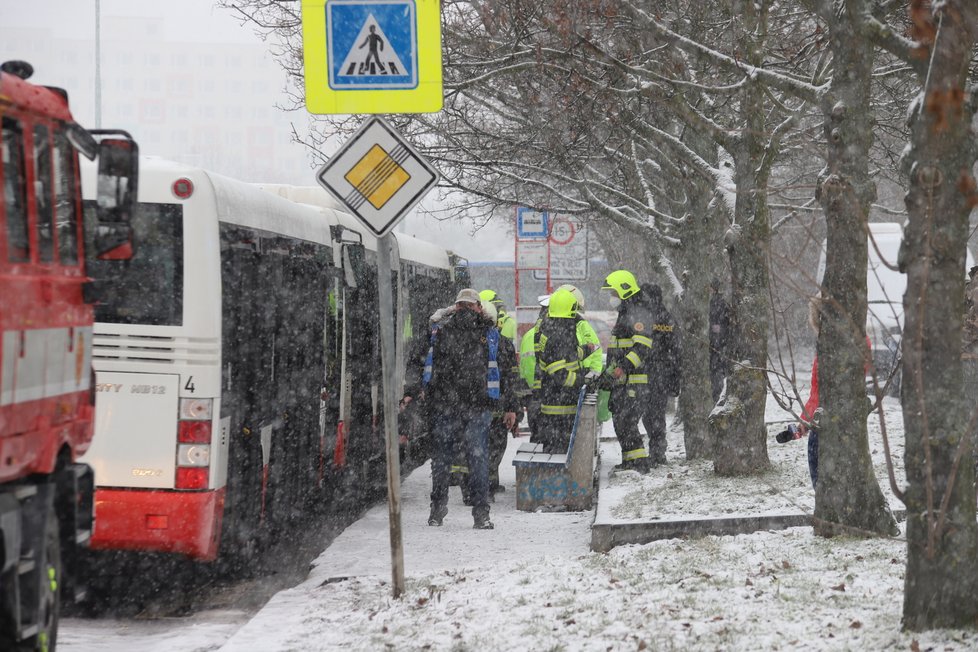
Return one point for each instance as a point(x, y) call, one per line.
point(178, 23)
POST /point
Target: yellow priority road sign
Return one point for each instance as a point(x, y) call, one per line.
point(378, 176)
point(372, 56)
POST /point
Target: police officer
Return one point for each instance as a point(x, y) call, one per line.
point(561, 374)
point(629, 355)
point(663, 372)
point(465, 386)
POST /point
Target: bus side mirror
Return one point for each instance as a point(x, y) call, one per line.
point(118, 177)
point(118, 182)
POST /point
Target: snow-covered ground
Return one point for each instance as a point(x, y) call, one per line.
point(532, 584)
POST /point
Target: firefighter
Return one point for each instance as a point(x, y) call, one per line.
point(504, 320)
point(561, 375)
point(528, 371)
point(587, 338)
point(627, 370)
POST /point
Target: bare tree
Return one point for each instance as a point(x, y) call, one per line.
point(942, 538)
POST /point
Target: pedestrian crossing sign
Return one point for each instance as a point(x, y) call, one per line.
point(372, 56)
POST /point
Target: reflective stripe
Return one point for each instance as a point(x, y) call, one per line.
point(571, 379)
point(638, 379)
point(634, 359)
point(428, 366)
point(634, 454)
point(537, 383)
point(620, 343)
point(44, 362)
point(558, 409)
point(540, 343)
point(554, 367)
point(492, 375)
point(457, 468)
point(641, 339)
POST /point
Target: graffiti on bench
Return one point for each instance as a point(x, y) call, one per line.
point(546, 487)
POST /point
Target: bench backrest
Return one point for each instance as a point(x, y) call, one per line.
point(577, 421)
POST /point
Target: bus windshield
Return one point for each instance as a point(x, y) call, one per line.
point(148, 289)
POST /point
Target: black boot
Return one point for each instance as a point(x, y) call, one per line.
point(481, 518)
point(437, 515)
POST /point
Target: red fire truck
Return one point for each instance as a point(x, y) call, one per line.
point(46, 380)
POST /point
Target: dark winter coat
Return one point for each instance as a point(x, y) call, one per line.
point(460, 359)
point(720, 324)
point(650, 335)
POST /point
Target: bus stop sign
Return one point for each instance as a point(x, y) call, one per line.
point(378, 176)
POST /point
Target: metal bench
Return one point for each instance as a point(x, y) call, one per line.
point(560, 480)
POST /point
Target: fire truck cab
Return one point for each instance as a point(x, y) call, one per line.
point(46, 317)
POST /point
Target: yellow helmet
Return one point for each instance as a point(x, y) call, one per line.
point(491, 296)
point(562, 304)
point(622, 282)
point(576, 292)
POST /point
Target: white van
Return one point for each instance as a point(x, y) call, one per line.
point(885, 288)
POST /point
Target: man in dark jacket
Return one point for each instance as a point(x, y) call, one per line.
point(466, 384)
point(664, 372)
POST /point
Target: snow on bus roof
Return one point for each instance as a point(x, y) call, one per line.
point(410, 248)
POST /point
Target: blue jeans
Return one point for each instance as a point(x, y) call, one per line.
point(472, 428)
point(813, 455)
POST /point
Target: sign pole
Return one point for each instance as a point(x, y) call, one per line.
point(385, 297)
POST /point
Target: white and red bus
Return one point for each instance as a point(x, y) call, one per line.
point(46, 401)
point(238, 313)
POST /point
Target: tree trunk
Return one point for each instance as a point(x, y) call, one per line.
point(942, 538)
point(748, 243)
point(702, 238)
point(848, 497)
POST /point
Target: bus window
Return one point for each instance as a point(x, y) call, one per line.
point(66, 207)
point(14, 192)
point(148, 288)
point(42, 194)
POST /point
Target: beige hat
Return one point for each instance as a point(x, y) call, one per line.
point(467, 295)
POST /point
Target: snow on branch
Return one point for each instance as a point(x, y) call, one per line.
point(784, 83)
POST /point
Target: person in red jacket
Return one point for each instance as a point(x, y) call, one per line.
point(811, 413)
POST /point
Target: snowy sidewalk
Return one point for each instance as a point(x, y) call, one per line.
point(362, 551)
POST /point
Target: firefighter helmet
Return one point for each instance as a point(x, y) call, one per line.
point(576, 292)
point(562, 304)
point(622, 282)
point(491, 296)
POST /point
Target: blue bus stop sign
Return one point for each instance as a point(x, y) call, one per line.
point(372, 44)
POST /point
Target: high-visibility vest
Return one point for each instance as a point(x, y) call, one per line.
point(492, 371)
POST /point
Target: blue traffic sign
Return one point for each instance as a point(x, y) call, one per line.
point(532, 223)
point(372, 44)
